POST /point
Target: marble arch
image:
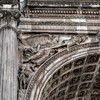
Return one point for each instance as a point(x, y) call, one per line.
point(58, 61)
point(45, 36)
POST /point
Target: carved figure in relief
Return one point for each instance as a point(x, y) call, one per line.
point(98, 35)
point(31, 54)
point(25, 73)
point(34, 57)
point(75, 40)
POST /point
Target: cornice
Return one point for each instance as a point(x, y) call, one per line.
point(53, 19)
point(64, 3)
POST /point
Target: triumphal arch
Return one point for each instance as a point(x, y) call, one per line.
point(49, 49)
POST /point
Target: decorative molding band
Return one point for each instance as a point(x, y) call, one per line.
point(63, 3)
point(59, 23)
point(64, 11)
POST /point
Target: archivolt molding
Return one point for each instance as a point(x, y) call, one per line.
point(47, 69)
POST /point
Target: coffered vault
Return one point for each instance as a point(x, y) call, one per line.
point(49, 50)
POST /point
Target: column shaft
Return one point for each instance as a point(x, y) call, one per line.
point(8, 64)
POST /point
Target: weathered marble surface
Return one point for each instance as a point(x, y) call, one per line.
point(8, 64)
